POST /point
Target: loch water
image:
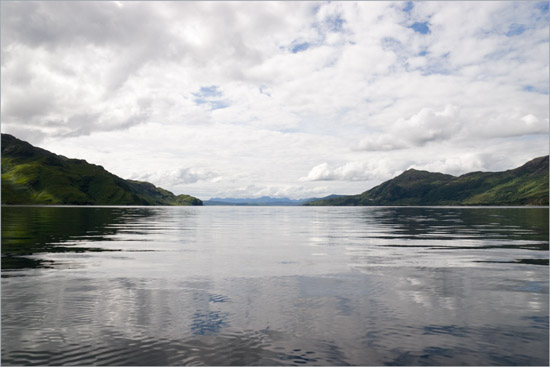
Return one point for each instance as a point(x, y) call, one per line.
point(274, 286)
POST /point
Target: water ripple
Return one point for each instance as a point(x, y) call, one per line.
point(274, 286)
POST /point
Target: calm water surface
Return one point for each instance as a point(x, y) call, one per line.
point(274, 286)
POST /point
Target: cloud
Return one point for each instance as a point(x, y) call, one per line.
point(274, 191)
point(351, 171)
point(177, 177)
point(428, 125)
point(319, 173)
point(37, 103)
point(101, 58)
point(514, 125)
point(530, 120)
point(456, 165)
point(62, 96)
point(382, 142)
point(110, 58)
point(210, 96)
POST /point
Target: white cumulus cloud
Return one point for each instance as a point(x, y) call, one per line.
point(350, 171)
point(423, 127)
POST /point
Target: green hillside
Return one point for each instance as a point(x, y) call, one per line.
point(32, 175)
point(526, 185)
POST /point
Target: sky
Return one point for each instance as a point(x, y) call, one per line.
point(281, 99)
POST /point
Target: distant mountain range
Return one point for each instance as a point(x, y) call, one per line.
point(32, 175)
point(526, 185)
point(263, 201)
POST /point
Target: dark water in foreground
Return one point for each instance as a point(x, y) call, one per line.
point(274, 286)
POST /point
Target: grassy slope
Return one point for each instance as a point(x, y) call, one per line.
point(526, 185)
point(32, 175)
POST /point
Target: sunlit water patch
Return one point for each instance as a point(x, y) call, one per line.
point(274, 286)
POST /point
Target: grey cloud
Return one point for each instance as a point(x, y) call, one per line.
point(20, 70)
point(53, 24)
point(381, 142)
point(428, 125)
point(134, 33)
point(181, 176)
point(86, 123)
point(81, 124)
point(29, 134)
point(192, 175)
point(511, 126)
point(44, 80)
point(63, 60)
point(27, 105)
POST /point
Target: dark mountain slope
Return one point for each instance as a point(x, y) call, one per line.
point(526, 185)
point(32, 175)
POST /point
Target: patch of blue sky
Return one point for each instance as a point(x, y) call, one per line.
point(515, 29)
point(209, 96)
point(213, 105)
point(500, 54)
point(393, 44)
point(540, 13)
point(299, 47)
point(409, 5)
point(200, 101)
point(316, 8)
point(211, 91)
point(435, 69)
point(217, 105)
point(543, 7)
point(421, 27)
point(423, 53)
point(532, 89)
point(335, 23)
point(439, 65)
